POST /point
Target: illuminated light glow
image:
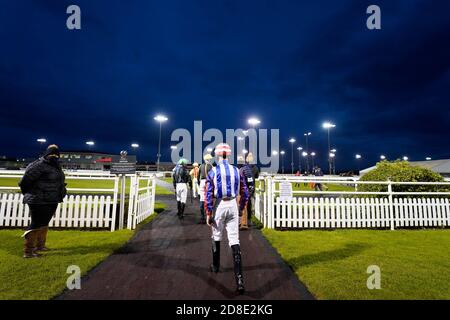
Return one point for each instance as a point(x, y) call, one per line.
point(358, 156)
point(161, 118)
point(42, 140)
point(328, 125)
point(253, 121)
point(90, 143)
point(292, 140)
point(135, 145)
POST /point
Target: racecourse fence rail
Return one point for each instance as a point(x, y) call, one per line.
point(349, 209)
point(83, 207)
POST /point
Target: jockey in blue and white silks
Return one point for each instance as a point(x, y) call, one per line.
point(223, 185)
point(224, 181)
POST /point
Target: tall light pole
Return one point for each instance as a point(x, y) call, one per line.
point(42, 141)
point(313, 154)
point(305, 155)
point(328, 125)
point(292, 141)
point(253, 122)
point(160, 118)
point(300, 159)
point(307, 134)
point(358, 157)
point(275, 153)
point(282, 161)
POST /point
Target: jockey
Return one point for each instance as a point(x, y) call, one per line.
point(181, 180)
point(223, 184)
point(203, 174)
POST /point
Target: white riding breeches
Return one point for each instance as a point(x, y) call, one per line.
point(201, 190)
point(226, 216)
point(182, 191)
point(194, 187)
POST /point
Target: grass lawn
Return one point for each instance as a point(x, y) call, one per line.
point(415, 264)
point(100, 184)
point(46, 277)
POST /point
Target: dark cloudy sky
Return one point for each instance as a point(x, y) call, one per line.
point(293, 64)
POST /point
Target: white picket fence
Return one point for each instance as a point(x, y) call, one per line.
point(142, 200)
point(84, 208)
point(341, 209)
point(75, 212)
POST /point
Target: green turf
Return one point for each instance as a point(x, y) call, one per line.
point(88, 184)
point(46, 277)
point(414, 264)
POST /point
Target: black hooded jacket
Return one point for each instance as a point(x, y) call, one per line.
point(43, 182)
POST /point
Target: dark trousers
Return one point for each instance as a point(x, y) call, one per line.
point(249, 208)
point(41, 214)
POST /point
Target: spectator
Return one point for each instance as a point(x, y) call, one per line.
point(43, 186)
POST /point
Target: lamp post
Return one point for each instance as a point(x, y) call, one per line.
point(358, 157)
point(382, 157)
point(135, 145)
point(306, 135)
point(313, 154)
point(282, 161)
point(405, 158)
point(305, 155)
point(428, 158)
point(90, 143)
point(300, 159)
point(253, 122)
point(160, 119)
point(292, 141)
point(42, 141)
point(328, 125)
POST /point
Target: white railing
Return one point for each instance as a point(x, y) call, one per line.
point(81, 208)
point(347, 209)
point(142, 199)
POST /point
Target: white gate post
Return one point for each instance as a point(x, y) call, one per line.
point(391, 205)
point(114, 212)
point(122, 201)
point(132, 200)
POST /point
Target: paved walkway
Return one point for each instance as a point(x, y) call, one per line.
point(169, 259)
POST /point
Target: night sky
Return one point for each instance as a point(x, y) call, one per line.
point(293, 64)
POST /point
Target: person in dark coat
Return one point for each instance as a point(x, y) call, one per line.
point(43, 186)
point(251, 173)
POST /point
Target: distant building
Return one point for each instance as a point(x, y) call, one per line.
point(439, 166)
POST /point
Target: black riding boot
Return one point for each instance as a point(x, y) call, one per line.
point(238, 268)
point(216, 256)
point(183, 205)
point(179, 208)
point(202, 213)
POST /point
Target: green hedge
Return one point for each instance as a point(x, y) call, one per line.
point(402, 171)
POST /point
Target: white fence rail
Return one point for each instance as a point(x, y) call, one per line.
point(84, 207)
point(346, 209)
